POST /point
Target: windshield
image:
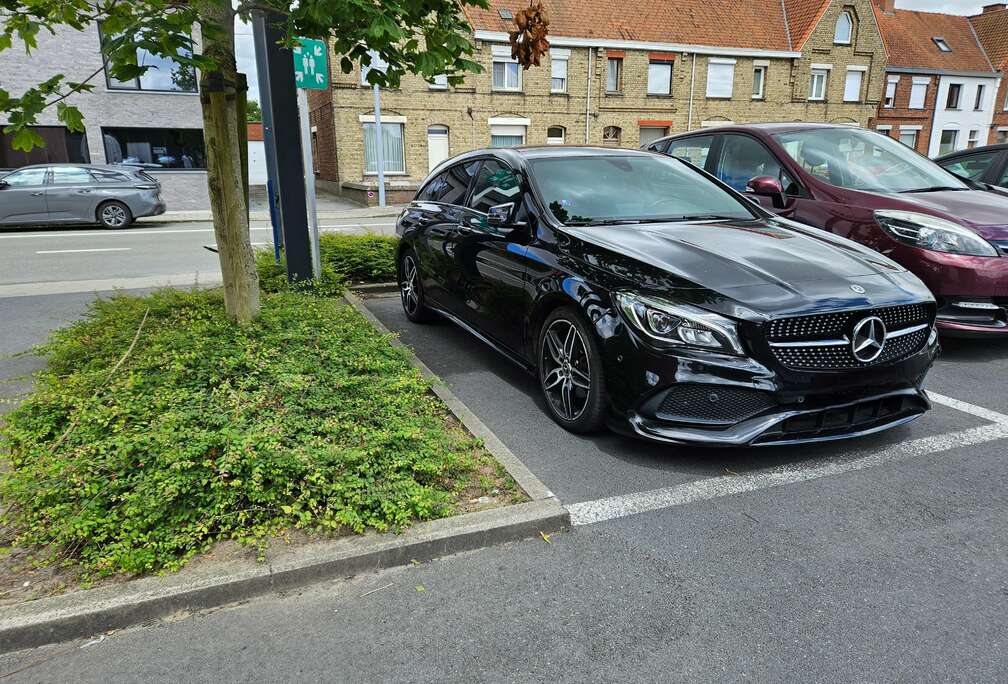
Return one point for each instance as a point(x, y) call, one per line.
point(864, 160)
point(585, 190)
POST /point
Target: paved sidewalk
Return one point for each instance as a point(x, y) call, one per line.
point(326, 206)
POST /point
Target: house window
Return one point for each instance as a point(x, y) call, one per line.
point(948, 141)
point(817, 84)
point(439, 82)
point(852, 86)
point(60, 146)
point(164, 74)
point(720, 78)
point(506, 72)
point(979, 104)
point(614, 74)
point(942, 45)
point(170, 148)
point(844, 29)
point(758, 82)
point(973, 140)
point(558, 70)
point(890, 94)
point(393, 155)
point(1002, 135)
point(918, 93)
point(648, 134)
point(908, 138)
point(555, 135)
point(376, 64)
point(954, 93)
point(611, 136)
point(507, 135)
point(659, 78)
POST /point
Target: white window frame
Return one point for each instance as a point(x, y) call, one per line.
point(915, 130)
point(509, 125)
point(555, 140)
point(942, 44)
point(558, 62)
point(722, 89)
point(917, 83)
point(619, 74)
point(981, 97)
point(955, 140)
point(762, 66)
point(1002, 132)
point(650, 86)
point(884, 128)
point(387, 121)
point(973, 139)
point(860, 71)
point(501, 54)
point(837, 39)
point(889, 102)
point(821, 72)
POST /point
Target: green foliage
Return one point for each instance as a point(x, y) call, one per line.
point(207, 431)
point(253, 112)
point(357, 258)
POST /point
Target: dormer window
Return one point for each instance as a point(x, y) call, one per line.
point(942, 45)
point(844, 29)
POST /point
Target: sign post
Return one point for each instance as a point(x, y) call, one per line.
point(310, 73)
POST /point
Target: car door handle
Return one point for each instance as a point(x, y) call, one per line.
point(37, 194)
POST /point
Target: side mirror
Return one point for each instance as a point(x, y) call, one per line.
point(3, 184)
point(767, 186)
point(500, 215)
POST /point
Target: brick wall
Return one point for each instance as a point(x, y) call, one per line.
point(900, 113)
point(1000, 113)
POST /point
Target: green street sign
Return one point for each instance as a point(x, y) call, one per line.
point(310, 65)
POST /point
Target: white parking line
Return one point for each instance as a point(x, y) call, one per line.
point(588, 512)
point(972, 409)
point(75, 251)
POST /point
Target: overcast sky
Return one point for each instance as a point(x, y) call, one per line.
point(949, 6)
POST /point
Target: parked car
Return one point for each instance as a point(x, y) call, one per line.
point(78, 193)
point(865, 186)
point(987, 165)
point(650, 297)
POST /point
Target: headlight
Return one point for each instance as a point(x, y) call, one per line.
point(682, 325)
point(931, 232)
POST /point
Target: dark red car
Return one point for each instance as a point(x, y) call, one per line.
point(870, 188)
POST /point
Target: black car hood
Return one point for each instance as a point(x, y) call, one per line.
point(766, 267)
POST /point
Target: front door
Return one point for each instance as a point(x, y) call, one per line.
point(437, 146)
point(69, 194)
point(490, 260)
point(22, 198)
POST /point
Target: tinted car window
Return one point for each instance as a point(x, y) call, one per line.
point(106, 176)
point(744, 158)
point(495, 184)
point(581, 190)
point(449, 186)
point(972, 167)
point(693, 150)
point(70, 175)
point(864, 160)
point(26, 177)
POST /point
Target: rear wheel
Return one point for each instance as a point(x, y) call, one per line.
point(114, 214)
point(411, 288)
point(570, 372)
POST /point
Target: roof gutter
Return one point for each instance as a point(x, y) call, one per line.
point(566, 41)
point(941, 72)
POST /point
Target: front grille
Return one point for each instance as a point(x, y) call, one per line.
point(844, 420)
point(822, 342)
point(712, 404)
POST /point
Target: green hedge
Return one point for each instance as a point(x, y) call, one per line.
point(354, 258)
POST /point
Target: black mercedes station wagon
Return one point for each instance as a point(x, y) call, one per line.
point(646, 295)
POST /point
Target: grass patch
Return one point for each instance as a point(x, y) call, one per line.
point(208, 431)
point(355, 258)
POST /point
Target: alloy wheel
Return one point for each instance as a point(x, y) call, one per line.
point(409, 289)
point(113, 215)
point(565, 369)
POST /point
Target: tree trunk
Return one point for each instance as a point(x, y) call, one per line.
point(228, 196)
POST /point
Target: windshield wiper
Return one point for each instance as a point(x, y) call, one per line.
point(602, 222)
point(935, 188)
point(710, 217)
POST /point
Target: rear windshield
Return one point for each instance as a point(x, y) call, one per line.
point(633, 188)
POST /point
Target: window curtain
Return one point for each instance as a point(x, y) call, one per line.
point(392, 142)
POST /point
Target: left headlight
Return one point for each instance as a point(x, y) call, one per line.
point(670, 324)
point(930, 232)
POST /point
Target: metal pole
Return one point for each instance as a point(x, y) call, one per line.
point(309, 181)
point(380, 153)
point(269, 145)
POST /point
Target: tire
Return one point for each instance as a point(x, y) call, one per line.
point(114, 215)
point(411, 288)
point(571, 376)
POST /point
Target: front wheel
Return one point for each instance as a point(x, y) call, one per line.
point(114, 215)
point(411, 289)
point(570, 372)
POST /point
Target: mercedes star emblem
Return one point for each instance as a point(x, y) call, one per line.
point(858, 289)
point(868, 339)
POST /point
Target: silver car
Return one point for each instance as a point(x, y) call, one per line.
point(78, 193)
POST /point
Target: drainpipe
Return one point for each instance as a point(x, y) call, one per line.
point(472, 126)
point(692, 84)
point(588, 96)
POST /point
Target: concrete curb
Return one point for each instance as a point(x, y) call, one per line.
point(86, 613)
point(376, 290)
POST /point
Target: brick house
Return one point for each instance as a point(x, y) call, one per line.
point(991, 28)
point(940, 86)
point(613, 78)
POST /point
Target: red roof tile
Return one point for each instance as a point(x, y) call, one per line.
point(753, 24)
point(802, 18)
point(992, 30)
point(909, 38)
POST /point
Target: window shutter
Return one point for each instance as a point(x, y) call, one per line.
point(852, 86)
point(918, 92)
point(720, 78)
point(659, 80)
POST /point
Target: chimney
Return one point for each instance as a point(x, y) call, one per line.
point(888, 7)
point(997, 7)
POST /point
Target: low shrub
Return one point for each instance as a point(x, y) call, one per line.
point(354, 258)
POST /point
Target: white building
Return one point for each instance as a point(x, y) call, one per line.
point(964, 112)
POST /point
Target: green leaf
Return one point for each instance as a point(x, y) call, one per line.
point(71, 116)
point(25, 139)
